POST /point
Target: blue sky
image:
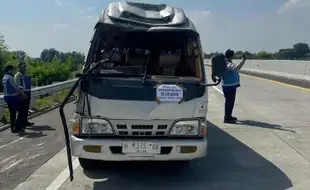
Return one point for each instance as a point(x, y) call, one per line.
point(253, 25)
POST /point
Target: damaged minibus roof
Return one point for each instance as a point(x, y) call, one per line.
point(145, 17)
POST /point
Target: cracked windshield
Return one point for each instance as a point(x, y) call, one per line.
point(154, 95)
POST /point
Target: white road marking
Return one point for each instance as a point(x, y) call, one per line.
point(15, 162)
point(63, 176)
point(7, 159)
point(39, 144)
point(42, 177)
point(34, 156)
point(218, 90)
point(12, 164)
point(21, 138)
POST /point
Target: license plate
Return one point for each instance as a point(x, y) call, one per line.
point(141, 147)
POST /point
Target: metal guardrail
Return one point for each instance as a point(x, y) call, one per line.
point(48, 89)
point(251, 64)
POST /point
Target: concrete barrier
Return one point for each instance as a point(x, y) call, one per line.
point(282, 66)
point(291, 72)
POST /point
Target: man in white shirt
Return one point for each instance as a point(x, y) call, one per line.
point(22, 80)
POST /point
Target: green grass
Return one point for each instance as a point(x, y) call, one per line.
point(42, 103)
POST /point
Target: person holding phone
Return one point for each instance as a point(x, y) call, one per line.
point(230, 83)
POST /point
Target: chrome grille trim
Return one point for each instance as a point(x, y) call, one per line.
point(141, 127)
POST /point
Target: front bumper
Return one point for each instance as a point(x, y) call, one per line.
point(111, 149)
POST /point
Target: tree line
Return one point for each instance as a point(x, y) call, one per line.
point(51, 66)
point(299, 51)
point(55, 66)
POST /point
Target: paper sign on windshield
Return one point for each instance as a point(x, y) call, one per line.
point(169, 93)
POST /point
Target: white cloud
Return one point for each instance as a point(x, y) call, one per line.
point(268, 31)
point(291, 5)
point(3, 27)
point(198, 14)
point(60, 26)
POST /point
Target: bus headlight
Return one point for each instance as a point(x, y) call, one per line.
point(185, 128)
point(96, 126)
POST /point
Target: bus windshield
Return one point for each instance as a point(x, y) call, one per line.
point(152, 53)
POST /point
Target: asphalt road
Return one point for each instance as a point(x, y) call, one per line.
point(21, 155)
point(283, 109)
point(269, 149)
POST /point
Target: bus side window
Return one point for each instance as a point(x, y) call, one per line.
point(194, 59)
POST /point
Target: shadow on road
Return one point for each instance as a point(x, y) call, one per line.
point(36, 131)
point(264, 125)
point(229, 165)
point(41, 128)
point(32, 135)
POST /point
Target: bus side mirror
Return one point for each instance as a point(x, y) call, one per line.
point(218, 67)
point(218, 64)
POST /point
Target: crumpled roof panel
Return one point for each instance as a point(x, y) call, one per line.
point(146, 15)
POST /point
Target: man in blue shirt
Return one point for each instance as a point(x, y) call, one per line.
point(230, 83)
point(22, 80)
point(13, 95)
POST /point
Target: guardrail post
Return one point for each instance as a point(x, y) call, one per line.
point(54, 94)
point(33, 104)
point(1, 112)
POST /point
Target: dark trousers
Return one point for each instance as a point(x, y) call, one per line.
point(230, 96)
point(14, 107)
